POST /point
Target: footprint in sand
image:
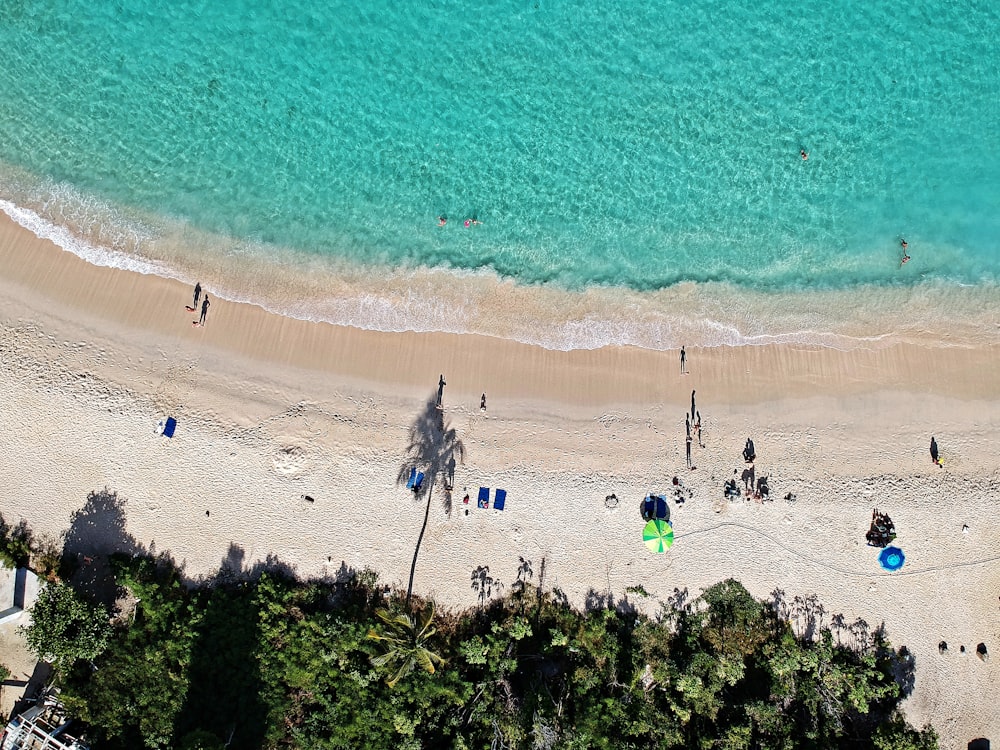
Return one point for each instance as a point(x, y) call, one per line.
point(290, 460)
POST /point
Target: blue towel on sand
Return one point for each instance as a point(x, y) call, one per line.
point(412, 479)
point(484, 497)
point(418, 482)
point(500, 499)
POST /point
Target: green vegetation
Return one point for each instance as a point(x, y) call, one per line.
point(283, 664)
point(15, 544)
point(405, 643)
point(64, 628)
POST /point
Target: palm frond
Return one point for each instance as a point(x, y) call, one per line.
point(426, 659)
point(404, 669)
point(425, 620)
point(385, 659)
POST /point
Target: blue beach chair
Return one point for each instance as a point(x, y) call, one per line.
point(412, 479)
point(418, 482)
point(484, 497)
point(500, 500)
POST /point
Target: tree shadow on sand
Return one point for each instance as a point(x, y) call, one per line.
point(96, 532)
point(484, 584)
point(434, 449)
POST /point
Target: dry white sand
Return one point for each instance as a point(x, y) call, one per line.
point(270, 410)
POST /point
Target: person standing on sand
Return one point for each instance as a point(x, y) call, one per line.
point(482, 403)
point(683, 361)
point(687, 426)
point(934, 452)
point(687, 444)
point(441, 385)
point(697, 428)
point(692, 405)
point(197, 295)
point(204, 311)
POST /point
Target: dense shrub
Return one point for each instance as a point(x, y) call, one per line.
point(280, 663)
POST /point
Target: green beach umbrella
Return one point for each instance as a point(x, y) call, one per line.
point(658, 535)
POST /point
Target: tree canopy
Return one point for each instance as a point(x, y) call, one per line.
point(280, 663)
point(64, 628)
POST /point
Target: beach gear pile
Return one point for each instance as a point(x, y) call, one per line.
point(882, 532)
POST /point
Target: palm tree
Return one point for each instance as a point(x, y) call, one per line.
point(404, 643)
point(435, 445)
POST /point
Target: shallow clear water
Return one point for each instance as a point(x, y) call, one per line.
point(300, 155)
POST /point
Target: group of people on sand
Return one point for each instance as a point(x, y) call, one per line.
point(882, 531)
point(754, 487)
point(693, 418)
point(194, 306)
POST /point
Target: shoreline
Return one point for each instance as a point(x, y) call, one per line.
point(271, 409)
point(98, 296)
point(448, 301)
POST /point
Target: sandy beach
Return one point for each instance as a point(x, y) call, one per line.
point(272, 410)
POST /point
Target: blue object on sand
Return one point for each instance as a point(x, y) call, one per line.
point(412, 479)
point(169, 426)
point(500, 499)
point(484, 497)
point(418, 481)
point(655, 507)
point(891, 558)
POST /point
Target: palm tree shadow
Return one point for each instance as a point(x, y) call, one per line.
point(434, 449)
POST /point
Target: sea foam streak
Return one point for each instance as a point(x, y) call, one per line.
point(319, 288)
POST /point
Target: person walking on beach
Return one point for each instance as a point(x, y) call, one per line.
point(197, 295)
point(687, 426)
point(204, 311)
point(441, 385)
point(683, 361)
point(692, 405)
point(482, 403)
point(934, 453)
point(687, 450)
point(697, 428)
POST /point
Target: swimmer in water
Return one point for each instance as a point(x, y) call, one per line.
point(804, 154)
point(442, 220)
point(905, 257)
point(468, 223)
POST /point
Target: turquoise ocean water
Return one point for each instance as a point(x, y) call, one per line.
point(635, 166)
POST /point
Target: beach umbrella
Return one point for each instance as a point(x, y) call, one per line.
point(658, 535)
point(891, 558)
